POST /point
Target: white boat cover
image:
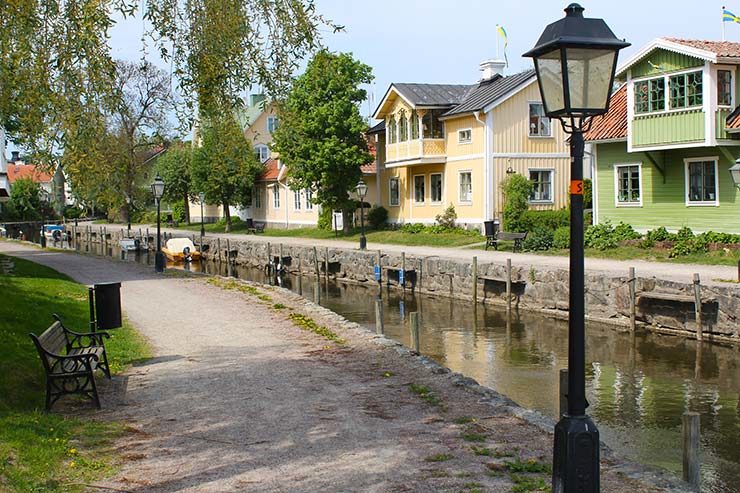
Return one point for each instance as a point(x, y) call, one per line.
point(177, 245)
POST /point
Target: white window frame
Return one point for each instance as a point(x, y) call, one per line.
point(390, 191)
point(297, 200)
point(464, 141)
point(704, 203)
point(276, 196)
point(459, 185)
point(308, 193)
point(529, 129)
point(262, 147)
point(272, 121)
point(667, 91)
point(424, 185)
point(441, 188)
point(617, 202)
point(733, 74)
point(552, 185)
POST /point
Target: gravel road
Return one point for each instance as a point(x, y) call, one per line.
point(240, 399)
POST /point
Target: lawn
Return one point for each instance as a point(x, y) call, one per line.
point(657, 255)
point(40, 451)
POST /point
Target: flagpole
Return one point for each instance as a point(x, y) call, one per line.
point(498, 57)
point(723, 23)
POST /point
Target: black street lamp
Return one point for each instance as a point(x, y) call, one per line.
point(158, 191)
point(576, 59)
point(202, 197)
point(361, 189)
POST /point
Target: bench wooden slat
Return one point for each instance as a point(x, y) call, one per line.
point(54, 339)
point(506, 236)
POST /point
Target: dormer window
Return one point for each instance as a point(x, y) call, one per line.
point(684, 91)
point(650, 95)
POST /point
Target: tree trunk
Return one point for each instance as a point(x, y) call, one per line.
point(347, 221)
point(187, 207)
point(227, 216)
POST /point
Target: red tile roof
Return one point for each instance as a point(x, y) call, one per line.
point(613, 125)
point(271, 171)
point(722, 49)
point(25, 171)
point(370, 168)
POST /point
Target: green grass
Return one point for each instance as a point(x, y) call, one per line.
point(308, 324)
point(529, 484)
point(530, 465)
point(40, 451)
point(425, 394)
point(439, 458)
point(657, 255)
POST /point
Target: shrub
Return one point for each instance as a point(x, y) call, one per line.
point(531, 220)
point(538, 240)
point(178, 211)
point(561, 238)
point(516, 189)
point(377, 217)
point(659, 234)
point(413, 228)
point(684, 233)
point(600, 236)
point(447, 218)
point(73, 212)
point(587, 194)
point(325, 219)
point(624, 232)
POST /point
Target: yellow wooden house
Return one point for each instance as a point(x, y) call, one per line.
point(454, 144)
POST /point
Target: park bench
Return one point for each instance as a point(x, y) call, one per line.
point(517, 238)
point(255, 227)
point(69, 359)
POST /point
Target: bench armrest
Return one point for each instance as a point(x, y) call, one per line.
point(76, 339)
point(73, 364)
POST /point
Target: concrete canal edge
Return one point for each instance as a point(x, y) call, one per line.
point(658, 305)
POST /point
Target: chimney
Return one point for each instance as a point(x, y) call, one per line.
point(255, 99)
point(491, 68)
point(16, 156)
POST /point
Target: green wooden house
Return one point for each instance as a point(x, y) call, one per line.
point(662, 154)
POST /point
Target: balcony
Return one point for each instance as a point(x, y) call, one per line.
point(419, 151)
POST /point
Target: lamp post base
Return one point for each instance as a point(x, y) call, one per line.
point(576, 456)
point(363, 242)
point(159, 262)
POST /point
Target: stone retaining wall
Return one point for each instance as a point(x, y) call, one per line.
point(607, 297)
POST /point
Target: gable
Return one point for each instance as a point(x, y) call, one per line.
point(661, 61)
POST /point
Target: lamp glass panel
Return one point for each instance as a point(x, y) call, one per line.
point(550, 73)
point(589, 78)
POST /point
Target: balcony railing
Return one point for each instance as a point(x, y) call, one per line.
point(415, 149)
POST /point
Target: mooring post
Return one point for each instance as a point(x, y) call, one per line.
point(380, 269)
point(697, 305)
point(414, 320)
point(633, 299)
point(218, 247)
point(475, 280)
point(269, 257)
point(738, 271)
point(193, 238)
point(228, 250)
point(403, 269)
point(326, 265)
point(280, 252)
point(316, 263)
point(563, 392)
point(379, 326)
point(508, 284)
point(691, 462)
point(300, 268)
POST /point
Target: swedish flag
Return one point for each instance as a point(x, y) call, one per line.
point(502, 33)
point(728, 16)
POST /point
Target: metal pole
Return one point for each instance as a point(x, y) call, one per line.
point(159, 256)
point(363, 239)
point(563, 392)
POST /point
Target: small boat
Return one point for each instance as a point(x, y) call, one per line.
point(130, 244)
point(53, 232)
point(180, 250)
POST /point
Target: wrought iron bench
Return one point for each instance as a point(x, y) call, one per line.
point(517, 238)
point(69, 359)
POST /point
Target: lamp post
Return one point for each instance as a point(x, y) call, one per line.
point(202, 197)
point(575, 59)
point(735, 173)
point(361, 189)
point(158, 191)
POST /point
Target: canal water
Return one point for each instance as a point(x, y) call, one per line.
point(638, 386)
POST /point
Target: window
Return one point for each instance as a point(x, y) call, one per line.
point(257, 193)
point(272, 124)
point(685, 90)
point(395, 191)
point(414, 125)
point(309, 199)
point(541, 185)
point(435, 185)
point(650, 95)
point(724, 88)
point(262, 152)
point(465, 136)
point(628, 184)
point(539, 124)
point(419, 188)
point(392, 130)
point(432, 125)
point(403, 127)
point(297, 200)
point(276, 196)
point(466, 186)
point(701, 181)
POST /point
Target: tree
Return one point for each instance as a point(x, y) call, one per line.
point(516, 189)
point(321, 134)
point(174, 168)
point(225, 166)
point(25, 202)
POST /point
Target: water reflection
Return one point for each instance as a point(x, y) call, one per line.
point(638, 385)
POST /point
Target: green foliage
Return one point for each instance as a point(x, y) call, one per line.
point(516, 189)
point(174, 166)
point(320, 137)
point(326, 219)
point(604, 236)
point(436, 229)
point(447, 218)
point(377, 216)
point(178, 212)
point(224, 167)
point(587, 194)
point(425, 394)
point(308, 324)
point(539, 239)
point(561, 238)
point(531, 220)
point(25, 202)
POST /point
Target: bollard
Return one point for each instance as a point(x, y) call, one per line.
point(508, 284)
point(691, 463)
point(563, 389)
point(379, 324)
point(280, 253)
point(475, 280)
point(697, 307)
point(316, 263)
point(414, 319)
point(326, 266)
point(633, 299)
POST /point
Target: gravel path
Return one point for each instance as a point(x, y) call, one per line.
point(240, 399)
